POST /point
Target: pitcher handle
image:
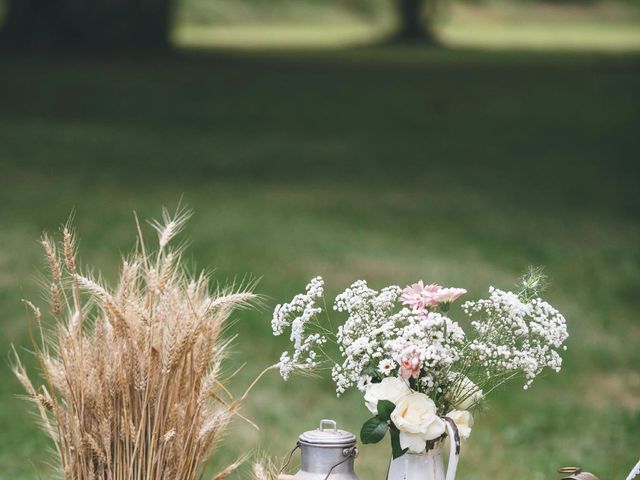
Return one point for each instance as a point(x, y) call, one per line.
point(454, 451)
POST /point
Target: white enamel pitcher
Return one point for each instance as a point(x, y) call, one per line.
point(428, 465)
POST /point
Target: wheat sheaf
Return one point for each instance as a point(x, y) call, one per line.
point(131, 384)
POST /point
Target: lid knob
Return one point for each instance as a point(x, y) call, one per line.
point(328, 434)
point(325, 421)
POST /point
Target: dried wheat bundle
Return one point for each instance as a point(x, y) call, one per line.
point(266, 468)
point(131, 380)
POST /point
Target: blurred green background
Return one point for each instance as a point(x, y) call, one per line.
point(307, 143)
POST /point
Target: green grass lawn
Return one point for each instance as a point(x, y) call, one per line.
point(604, 25)
point(460, 166)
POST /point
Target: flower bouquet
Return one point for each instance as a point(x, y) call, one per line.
point(418, 369)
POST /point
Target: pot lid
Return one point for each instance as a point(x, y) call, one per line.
point(328, 434)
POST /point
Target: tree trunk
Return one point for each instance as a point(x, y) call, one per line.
point(28, 20)
point(111, 25)
point(416, 22)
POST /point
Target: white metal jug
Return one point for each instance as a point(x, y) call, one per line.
point(428, 465)
point(326, 452)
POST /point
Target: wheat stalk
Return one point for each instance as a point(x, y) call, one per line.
point(130, 374)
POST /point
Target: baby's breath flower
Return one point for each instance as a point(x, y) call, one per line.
point(394, 332)
point(515, 335)
point(297, 315)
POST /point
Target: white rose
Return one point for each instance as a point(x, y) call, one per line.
point(463, 420)
point(390, 388)
point(416, 418)
point(464, 393)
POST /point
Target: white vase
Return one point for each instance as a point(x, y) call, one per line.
point(427, 465)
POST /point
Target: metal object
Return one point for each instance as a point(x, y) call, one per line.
point(326, 452)
point(428, 465)
point(576, 473)
point(635, 472)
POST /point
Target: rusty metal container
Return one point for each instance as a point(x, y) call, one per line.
point(576, 473)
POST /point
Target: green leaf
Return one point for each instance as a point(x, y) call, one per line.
point(396, 448)
point(412, 383)
point(385, 408)
point(373, 430)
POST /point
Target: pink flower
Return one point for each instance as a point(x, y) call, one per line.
point(410, 366)
point(420, 296)
point(448, 294)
